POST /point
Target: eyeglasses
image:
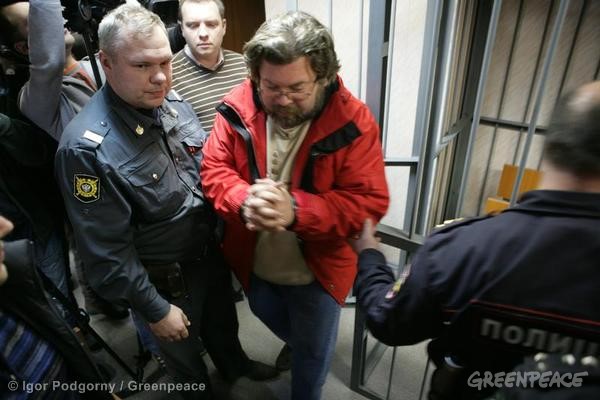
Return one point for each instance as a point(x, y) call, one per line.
point(299, 91)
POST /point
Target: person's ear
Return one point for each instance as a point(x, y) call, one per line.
point(106, 61)
point(224, 26)
point(21, 47)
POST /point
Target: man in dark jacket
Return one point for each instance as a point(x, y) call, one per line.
point(520, 282)
point(54, 92)
point(28, 193)
point(38, 350)
point(29, 196)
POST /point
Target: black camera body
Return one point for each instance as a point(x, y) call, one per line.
point(84, 16)
point(80, 14)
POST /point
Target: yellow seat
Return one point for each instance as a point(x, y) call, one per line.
point(530, 181)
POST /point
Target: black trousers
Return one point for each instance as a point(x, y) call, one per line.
point(209, 306)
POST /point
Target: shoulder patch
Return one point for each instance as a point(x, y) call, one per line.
point(93, 136)
point(398, 284)
point(86, 188)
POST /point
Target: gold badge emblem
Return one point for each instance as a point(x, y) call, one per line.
point(87, 188)
point(139, 130)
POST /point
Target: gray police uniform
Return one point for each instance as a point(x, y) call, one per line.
point(131, 185)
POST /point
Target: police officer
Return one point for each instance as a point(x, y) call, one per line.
point(128, 168)
point(537, 259)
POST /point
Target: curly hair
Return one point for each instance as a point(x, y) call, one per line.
point(287, 37)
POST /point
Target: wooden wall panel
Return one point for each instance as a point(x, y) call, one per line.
point(243, 18)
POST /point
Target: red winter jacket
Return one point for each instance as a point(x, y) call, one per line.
point(338, 181)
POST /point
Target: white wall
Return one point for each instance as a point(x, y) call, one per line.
point(406, 50)
point(344, 19)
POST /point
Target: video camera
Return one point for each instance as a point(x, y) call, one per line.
point(81, 15)
point(84, 16)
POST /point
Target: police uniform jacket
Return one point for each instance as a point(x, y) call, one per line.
point(131, 185)
point(539, 257)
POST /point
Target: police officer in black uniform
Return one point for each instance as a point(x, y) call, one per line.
point(128, 166)
point(531, 271)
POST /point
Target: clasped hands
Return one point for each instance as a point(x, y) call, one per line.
point(268, 207)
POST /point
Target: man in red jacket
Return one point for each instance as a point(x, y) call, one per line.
point(294, 165)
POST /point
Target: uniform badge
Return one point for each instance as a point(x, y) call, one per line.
point(93, 136)
point(87, 188)
point(173, 112)
point(139, 130)
point(398, 284)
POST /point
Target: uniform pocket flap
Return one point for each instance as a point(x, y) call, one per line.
point(194, 140)
point(147, 170)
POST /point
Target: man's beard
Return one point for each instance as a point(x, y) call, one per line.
point(291, 115)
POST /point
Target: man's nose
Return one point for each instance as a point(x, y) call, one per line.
point(158, 76)
point(202, 31)
point(282, 99)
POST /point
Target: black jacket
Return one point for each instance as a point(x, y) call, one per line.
point(23, 296)
point(29, 194)
point(530, 271)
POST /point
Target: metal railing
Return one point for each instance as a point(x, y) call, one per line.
point(365, 361)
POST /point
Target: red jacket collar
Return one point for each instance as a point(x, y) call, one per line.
point(246, 103)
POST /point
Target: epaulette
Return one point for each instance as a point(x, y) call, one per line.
point(173, 96)
point(458, 222)
point(93, 137)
